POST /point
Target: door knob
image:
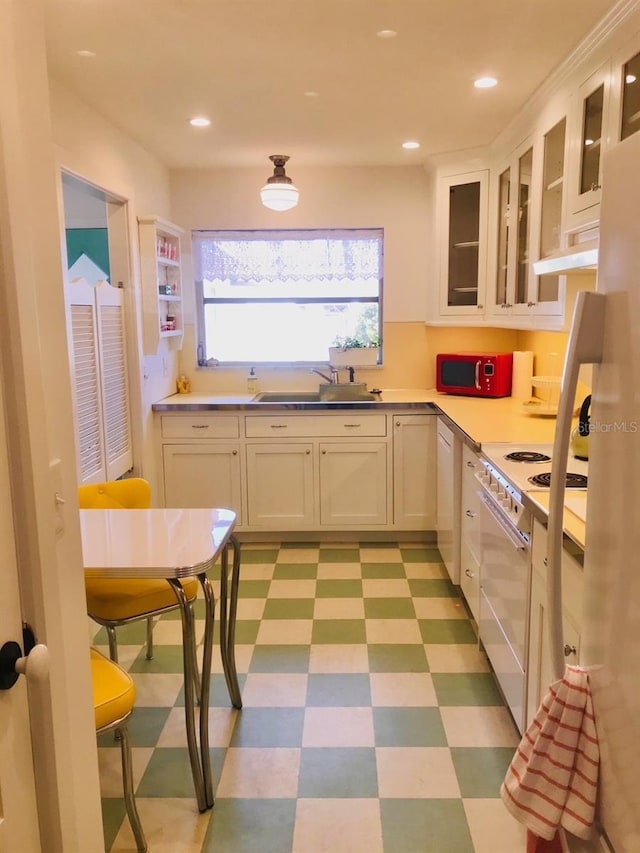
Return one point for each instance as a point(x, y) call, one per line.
point(35, 664)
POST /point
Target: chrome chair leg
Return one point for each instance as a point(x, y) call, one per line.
point(129, 797)
point(149, 637)
point(113, 643)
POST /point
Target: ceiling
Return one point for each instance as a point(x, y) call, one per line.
point(249, 65)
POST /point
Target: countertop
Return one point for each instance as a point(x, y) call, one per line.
point(479, 419)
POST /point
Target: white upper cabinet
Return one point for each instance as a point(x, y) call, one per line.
point(515, 196)
point(462, 216)
point(589, 131)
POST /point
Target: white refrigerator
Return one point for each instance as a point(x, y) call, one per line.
point(606, 332)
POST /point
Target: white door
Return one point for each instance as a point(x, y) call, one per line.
point(18, 810)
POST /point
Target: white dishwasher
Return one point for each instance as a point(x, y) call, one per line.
point(448, 501)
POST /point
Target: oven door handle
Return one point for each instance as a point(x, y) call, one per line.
point(515, 540)
point(478, 363)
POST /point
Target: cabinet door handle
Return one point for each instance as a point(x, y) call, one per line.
point(352, 426)
point(470, 514)
point(595, 186)
point(531, 304)
point(469, 574)
point(471, 464)
point(324, 452)
point(200, 426)
point(308, 452)
point(479, 307)
point(234, 452)
point(569, 650)
point(278, 426)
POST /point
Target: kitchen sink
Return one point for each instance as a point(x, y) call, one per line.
point(326, 394)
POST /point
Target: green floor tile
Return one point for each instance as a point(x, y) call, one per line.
point(268, 727)
point(432, 588)
point(339, 588)
point(253, 588)
point(389, 608)
point(421, 555)
point(447, 631)
point(280, 658)
point(339, 555)
point(469, 688)
point(408, 727)
point(168, 773)
point(481, 770)
point(246, 631)
point(258, 555)
point(289, 608)
point(397, 657)
point(425, 826)
point(295, 571)
point(250, 826)
point(339, 631)
point(113, 813)
point(383, 570)
point(146, 724)
point(333, 772)
point(218, 693)
point(338, 690)
point(165, 659)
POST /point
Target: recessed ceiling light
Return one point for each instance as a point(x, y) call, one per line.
point(630, 78)
point(85, 54)
point(311, 94)
point(200, 121)
point(411, 145)
point(485, 82)
point(386, 34)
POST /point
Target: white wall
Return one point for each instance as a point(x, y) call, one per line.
point(95, 150)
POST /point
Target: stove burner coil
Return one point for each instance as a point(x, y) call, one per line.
point(572, 481)
point(527, 456)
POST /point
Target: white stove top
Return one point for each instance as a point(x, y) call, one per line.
point(519, 473)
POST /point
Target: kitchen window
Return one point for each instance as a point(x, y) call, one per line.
point(285, 296)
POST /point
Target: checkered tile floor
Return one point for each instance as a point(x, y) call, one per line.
point(371, 723)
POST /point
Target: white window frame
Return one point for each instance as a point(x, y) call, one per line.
point(276, 234)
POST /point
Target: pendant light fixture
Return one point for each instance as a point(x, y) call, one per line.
point(279, 193)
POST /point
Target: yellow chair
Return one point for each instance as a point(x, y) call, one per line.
point(117, 602)
point(114, 695)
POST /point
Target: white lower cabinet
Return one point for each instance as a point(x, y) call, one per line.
point(203, 475)
point(280, 486)
point(360, 470)
point(470, 532)
point(540, 670)
point(353, 484)
point(415, 472)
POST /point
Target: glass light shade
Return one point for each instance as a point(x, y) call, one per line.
point(279, 196)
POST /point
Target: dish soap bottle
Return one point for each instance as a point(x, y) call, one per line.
point(252, 381)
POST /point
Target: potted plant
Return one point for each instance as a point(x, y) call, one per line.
point(355, 351)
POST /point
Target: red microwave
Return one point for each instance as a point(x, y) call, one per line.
point(484, 374)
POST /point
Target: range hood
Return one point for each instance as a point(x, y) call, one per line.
point(583, 257)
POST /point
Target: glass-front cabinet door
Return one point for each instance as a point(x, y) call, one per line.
point(546, 294)
point(630, 118)
point(589, 129)
point(463, 242)
point(514, 219)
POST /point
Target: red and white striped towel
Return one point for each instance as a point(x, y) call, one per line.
point(552, 779)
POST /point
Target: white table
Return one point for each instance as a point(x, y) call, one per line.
point(176, 544)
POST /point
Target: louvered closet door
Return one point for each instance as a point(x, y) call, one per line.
point(86, 386)
point(99, 375)
point(113, 376)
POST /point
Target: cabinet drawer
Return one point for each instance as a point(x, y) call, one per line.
point(203, 426)
point(287, 426)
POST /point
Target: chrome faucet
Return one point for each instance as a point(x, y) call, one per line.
point(334, 379)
